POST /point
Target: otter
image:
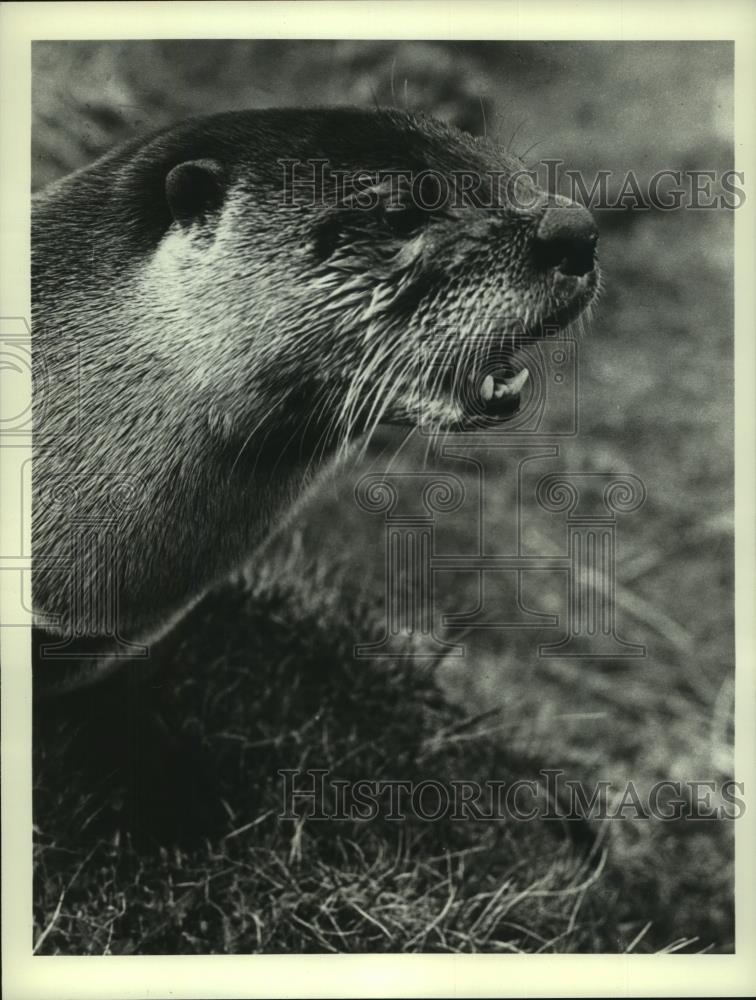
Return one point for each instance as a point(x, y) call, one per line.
point(225, 305)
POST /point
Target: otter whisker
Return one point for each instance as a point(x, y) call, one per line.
point(261, 422)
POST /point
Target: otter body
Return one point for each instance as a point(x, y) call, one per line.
point(220, 307)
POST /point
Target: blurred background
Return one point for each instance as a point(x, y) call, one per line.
point(655, 399)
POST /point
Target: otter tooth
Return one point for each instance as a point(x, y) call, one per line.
point(487, 388)
point(512, 386)
point(517, 384)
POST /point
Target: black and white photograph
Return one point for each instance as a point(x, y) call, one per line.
point(381, 482)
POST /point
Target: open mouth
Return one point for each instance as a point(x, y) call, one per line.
point(502, 386)
point(499, 377)
point(465, 399)
point(489, 393)
point(500, 396)
point(491, 390)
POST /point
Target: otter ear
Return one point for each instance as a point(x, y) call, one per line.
point(193, 189)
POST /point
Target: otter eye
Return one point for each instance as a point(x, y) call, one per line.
point(403, 220)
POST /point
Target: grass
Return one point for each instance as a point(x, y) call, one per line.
point(273, 697)
point(262, 674)
point(277, 688)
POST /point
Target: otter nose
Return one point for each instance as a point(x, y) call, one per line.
point(566, 239)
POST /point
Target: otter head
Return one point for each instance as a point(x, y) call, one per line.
point(369, 267)
point(246, 293)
